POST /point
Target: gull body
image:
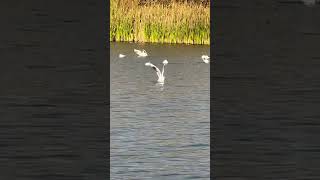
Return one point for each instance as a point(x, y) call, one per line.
point(160, 74)
point(140, 53)
point(205, 59)
point(122, 55)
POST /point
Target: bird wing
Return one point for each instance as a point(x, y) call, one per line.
point(136, 51)
point(156, 69)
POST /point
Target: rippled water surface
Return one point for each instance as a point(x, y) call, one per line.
point(160, 132)
point(266, 91)
point(53, 91)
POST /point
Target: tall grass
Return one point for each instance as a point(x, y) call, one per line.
point(173, 22)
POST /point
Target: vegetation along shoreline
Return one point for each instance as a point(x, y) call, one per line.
point(160, 21)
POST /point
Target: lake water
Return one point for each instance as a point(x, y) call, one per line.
point(266, 91)
point(160, 132)
point(53, 91)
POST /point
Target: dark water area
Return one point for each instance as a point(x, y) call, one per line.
point(266, 90)
point(53, 90)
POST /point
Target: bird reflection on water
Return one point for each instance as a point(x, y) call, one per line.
point(160, 86)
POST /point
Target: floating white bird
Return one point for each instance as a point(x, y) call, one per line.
point(142, 53)
point(205, 59)
point(122, 55)
point(159, 73)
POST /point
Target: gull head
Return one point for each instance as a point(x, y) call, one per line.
point(165, 62)
point(144, 52)
point(205, 57)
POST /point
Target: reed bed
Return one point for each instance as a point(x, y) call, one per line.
point(173, 22)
